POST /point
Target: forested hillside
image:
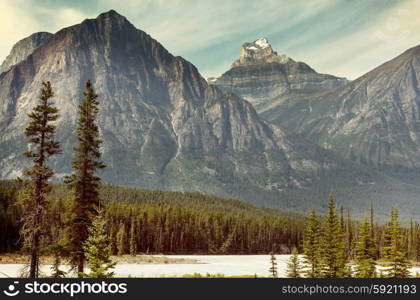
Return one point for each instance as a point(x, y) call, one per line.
point(165, 222)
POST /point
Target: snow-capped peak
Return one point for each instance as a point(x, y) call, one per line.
point(262, 43)
point(258, 45)
point(259, 51)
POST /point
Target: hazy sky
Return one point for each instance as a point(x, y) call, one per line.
point(340, 37)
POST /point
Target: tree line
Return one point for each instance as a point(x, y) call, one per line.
point(189, 226)
point(334, 247)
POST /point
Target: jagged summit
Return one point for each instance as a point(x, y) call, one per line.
point(260, 74)
point(112, 14)
point(259, 51)
point(257, 45)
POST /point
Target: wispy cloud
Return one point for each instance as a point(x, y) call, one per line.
point(341, 37)
point(19, 19)
point(374, 41)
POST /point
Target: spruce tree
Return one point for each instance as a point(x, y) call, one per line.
point(372, 228)
point(417, 243)
point(83, 182)
point(273, 266)
point(349, 236)
point(41, 135)
point(98, 250)
point(121, 237)
point(312, 247)
point(334, 254)
point(293, 266)
point(58, 250)
point(394, 250)
point(133, 238)
point(365, 252)
point(411, 241)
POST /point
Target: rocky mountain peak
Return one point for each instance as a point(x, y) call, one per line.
point(112, 16)
point(22, 49)
point(258, 51)
point(261, 75)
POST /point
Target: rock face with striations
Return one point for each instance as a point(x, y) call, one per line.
point(23, 48)
point(163, 125)
point(260, 74)
point(375, 119)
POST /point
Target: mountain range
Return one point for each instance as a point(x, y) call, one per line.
point(372, 120)
point(260, 74)
point(165, 127)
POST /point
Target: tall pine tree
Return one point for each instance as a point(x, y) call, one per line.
point(365, 252)
point(334, 254)
point(41, 135)
point(394, 250)
point(273, 266)
point(121, 239)
point(98, 250)
point(84, 182)
point(293, 266)
point(312, 247)
point(133, 237)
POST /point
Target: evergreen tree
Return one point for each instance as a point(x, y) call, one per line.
point(121, 237)
point(417, 243)
point(83, 182)
point(312, 247)
point(41, 135)
point(133, 238)
point(411, 241)
point(273, 266)
point(372, 228)
point(98, 250)
point(365, 252)
point(224, 248)
point(349, 236)
point(113, 238)
point(334, 256)
point(294, 267)
point(58, 250)
point(394, 250)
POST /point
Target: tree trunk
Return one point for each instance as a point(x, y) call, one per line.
point(80, 266)
point(33, 270)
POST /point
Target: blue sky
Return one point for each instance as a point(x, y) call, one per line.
point(341, 37)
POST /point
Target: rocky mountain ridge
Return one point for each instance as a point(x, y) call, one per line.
point(260, 74)
point(373, 120)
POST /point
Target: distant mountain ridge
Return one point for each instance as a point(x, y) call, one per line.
point(373, 120)
point(260, 74)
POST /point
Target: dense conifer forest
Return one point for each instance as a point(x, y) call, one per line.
point(165, 222)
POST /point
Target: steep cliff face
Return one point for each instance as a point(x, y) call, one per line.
point(23, 48)
point(261, 75)
point(375, 119)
